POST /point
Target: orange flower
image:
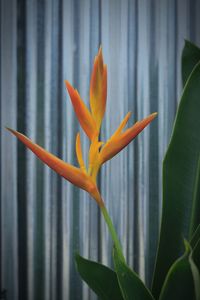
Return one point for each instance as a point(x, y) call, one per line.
point(90, 121)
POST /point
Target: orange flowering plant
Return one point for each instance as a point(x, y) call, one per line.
point(85, 177)
point(175, 276)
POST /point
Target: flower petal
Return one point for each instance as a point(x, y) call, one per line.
point(84, 116)
point(98, 89)
point(69, 172)
point(79, 153)
point(117, 142)
point(122, 125)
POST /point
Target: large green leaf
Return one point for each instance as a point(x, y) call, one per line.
point(190, 57)
point(179, 179)
point(182, 281)
point(102, 280)
point(131, 285)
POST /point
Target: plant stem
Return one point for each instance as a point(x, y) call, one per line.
point(112, 232)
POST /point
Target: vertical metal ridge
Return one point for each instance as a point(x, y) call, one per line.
point(131, 70)
point(152, 205)
point(68, 146)
point(47, 207)
point(55, 127)
point(75, 282)
point(143, 143)
point(136, 152)
point(60, 83)
point(39, 232)
point(31, 117)
point(21, 152)
point(9, 204)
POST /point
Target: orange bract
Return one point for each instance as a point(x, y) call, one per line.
point(99, 152)
point(84, 116)
point(98, 89)
point(75, 175)
point(120, 139)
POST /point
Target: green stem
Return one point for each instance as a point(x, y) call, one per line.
point(112, 232)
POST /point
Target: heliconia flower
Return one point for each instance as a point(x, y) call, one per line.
point(90, 121)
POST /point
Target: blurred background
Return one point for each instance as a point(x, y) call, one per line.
point(44, 219)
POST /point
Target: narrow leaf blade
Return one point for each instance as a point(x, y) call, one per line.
point(102, 280)
point(131, 285)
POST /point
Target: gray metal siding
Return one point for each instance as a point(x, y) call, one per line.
point(44, 219)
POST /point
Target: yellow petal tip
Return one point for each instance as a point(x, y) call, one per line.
point(11, 130)
point(129, 114)
point(68, 85)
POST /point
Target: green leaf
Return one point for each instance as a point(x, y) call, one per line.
point(190, 57)
point(195, 237)
point(182, 281)
point(195, 218)
point(179, 179)
point(196, 276)
point(102, 280)
point(131, 285)
point(196, 254)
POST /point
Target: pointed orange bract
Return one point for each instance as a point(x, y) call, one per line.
point(121, 126)
point(98, 89)
point(84, 116)
point(120, 140)
point(69, 172)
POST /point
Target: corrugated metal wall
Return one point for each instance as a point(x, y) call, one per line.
point(44, 219)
